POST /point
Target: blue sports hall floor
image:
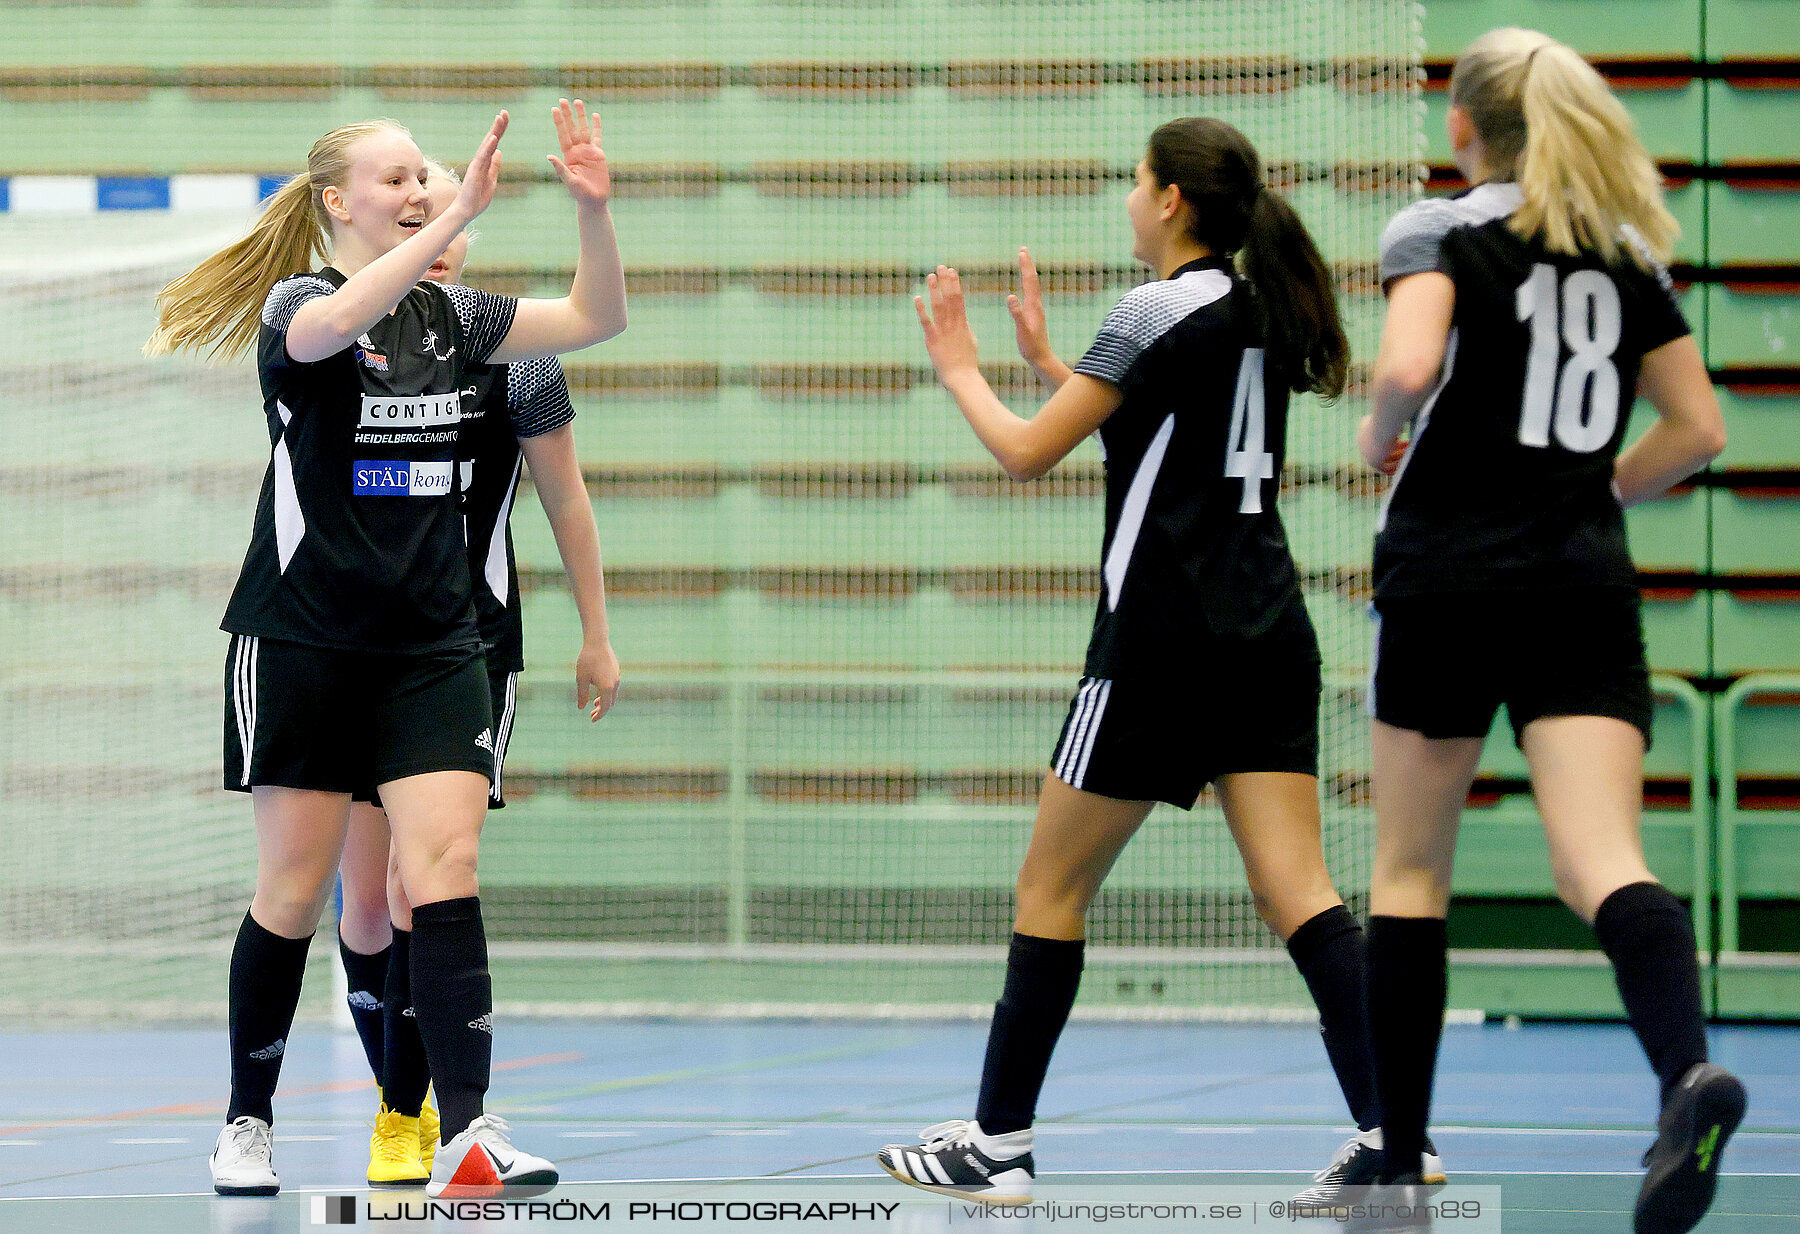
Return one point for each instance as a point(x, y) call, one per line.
point(110, 1130)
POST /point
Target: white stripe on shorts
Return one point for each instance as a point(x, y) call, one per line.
point(243, 697)
point(503, 730)
point(1072, 734)
point(1093, 733)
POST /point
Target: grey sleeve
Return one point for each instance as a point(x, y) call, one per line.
point(1132, 326)
point(1411, 241)
point(485, 319)
point(286, 297)
point(537, 397)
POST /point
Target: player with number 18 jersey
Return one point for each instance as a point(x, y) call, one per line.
point(1508, 483)
point(1505, 496)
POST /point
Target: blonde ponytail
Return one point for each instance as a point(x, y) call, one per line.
point(217, 306)
point(1549, 121)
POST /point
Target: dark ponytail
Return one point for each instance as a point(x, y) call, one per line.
point(1220, 177)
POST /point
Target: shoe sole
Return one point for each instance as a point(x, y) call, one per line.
point(227, 1189)
point(956, 1193)
point(420, 1181)
point(1674, 1202)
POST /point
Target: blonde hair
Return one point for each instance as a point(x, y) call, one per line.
point(217, 306)
point(1549, 121)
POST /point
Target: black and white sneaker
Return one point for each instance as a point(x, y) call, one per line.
point(1358, 1164)
point(958, 1159)
point(1697, 1120)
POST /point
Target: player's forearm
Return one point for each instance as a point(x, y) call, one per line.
point(578, 544)
point(326, 326)
point(1668, 453)
point(1397, 398)
point(598, 292)
point(1006, 436)
point(1051, 371)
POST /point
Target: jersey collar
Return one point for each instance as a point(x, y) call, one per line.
point(1209, 262)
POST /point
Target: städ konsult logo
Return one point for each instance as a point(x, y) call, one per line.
point(400, 478)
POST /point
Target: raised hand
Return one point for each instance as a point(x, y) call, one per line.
point(1028, 314)
point(947, 334)
point(582, 167)
point(484, 171)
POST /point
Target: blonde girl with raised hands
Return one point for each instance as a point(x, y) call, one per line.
point(356, 658)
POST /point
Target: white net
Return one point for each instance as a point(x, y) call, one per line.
point(848, 642)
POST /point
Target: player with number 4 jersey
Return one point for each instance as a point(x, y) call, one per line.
point(1524, 318)
point(1203, 667)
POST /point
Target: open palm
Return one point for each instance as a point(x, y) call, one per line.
point(582, 167)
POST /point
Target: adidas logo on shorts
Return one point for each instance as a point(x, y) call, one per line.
point(485, 739)
point(270, 1052)
point(362, 1000)
point(484, 1024)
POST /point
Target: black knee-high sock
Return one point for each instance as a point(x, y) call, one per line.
point(1408, 985)
point(1042, 976)
point(1329, 952)
point(454, 1001)
point(367, 975)
point(266, 971)
point(404, 1074)
point(1649, 938)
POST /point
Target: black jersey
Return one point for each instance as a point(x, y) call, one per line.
point(1194, 547)
point(358, 539)
point(1507, 481)
point(515, 402)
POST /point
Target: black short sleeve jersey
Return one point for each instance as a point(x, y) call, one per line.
point(1194, 546)
point(1507, 481)
point(358, 539)
point(516, 402)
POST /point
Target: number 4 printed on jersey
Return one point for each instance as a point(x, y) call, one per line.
point(1582, 402)
point(1245, 457)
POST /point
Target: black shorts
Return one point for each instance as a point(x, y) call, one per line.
point(1139, 740)
point(503, 688)
point(298, 716)
point(1445, 663)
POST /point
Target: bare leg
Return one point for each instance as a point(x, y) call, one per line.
point(1587, 773)
point(1421, 787)
point(364, 923)
point(1274, 818)
point(1074, 843)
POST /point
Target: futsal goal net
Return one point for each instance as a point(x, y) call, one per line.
point(848, 641)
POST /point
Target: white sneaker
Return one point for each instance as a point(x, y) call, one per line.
point(243, 1161)
point(481, 1162)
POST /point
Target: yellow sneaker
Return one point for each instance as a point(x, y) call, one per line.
point(429, 1130)
point(394, 1152)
